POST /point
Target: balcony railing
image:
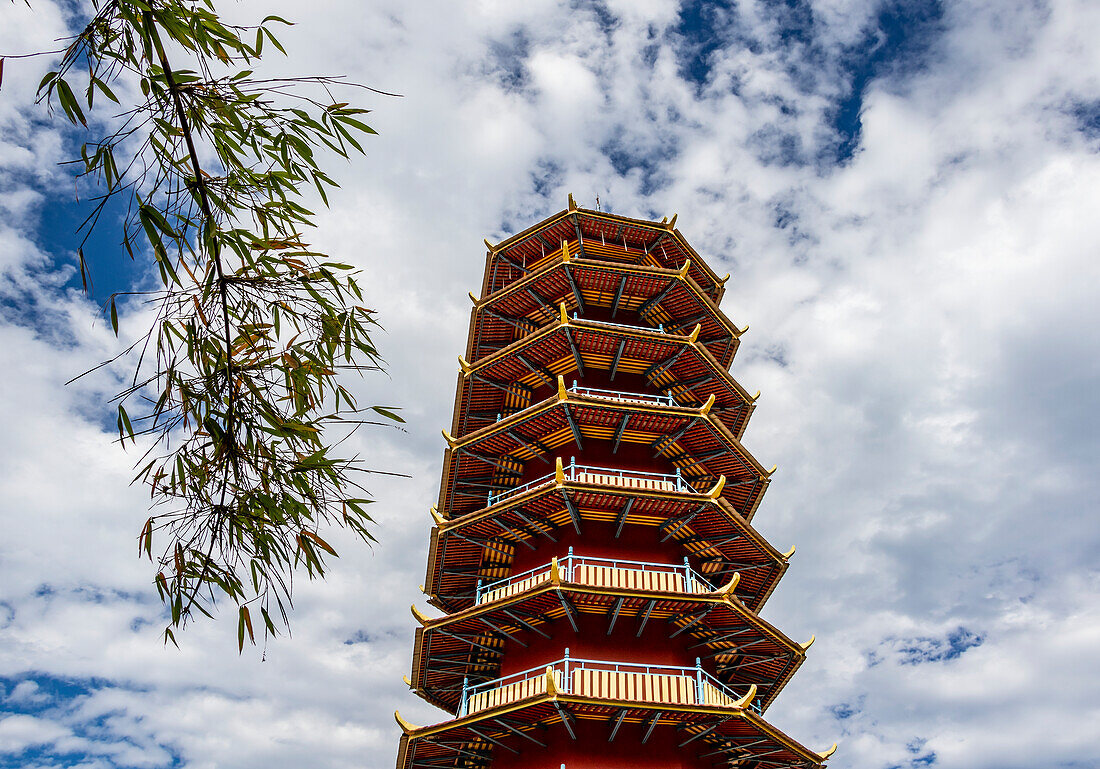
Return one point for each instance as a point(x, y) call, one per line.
point(633, 326)
point(611, 476)
point(601, 572)
point(663, 684)
point(620, 395)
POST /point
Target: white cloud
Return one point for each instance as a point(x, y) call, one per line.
point(923, 327)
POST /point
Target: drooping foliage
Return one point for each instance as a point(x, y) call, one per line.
point(240, 382)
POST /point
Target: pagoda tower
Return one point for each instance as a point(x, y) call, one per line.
point(593, 553)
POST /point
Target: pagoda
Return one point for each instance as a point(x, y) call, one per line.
point(593, 554)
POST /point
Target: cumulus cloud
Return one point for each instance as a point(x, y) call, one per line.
point(904, 194)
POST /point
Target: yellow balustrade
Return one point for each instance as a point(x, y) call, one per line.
point(515, 587)
point(509, 693)
point(631, 579)
point(647, 484)
point(712, 695)
point(638, 687)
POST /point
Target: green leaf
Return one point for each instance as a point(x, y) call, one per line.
point(69, 103)
point(387, 413)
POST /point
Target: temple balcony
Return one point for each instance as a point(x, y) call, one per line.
point(659, 684)
point(544, 731)
point(483, 545)
point(649, 613)
point(608, 476)
point(641, 297)
point(606, 354)
point(600, 572)
point(500, 457)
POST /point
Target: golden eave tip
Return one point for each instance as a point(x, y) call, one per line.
point(408, 683)
point(466, 367)
point(559, 472)
point(563, 393)
point(686, 266)
point(564, 314)
point(771, 472)
point(572, 203)
point(406, 727)
point(439, 521)
point(730, 586)
point(706, 407)
point(717, 490)
point(555, 571)
point(694, 336)
point(750, 695)
point(826, 753)
point(672, 221)
point(490, 246)
point(419, 616)
point(451, 440)
point(789, 553)
point(807, 644)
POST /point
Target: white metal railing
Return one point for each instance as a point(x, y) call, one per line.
point(620, 395)
point(600, 572)
point(610, 476)
point(665, 684)
point(659, 327)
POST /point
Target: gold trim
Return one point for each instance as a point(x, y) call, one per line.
point(750, 695)
point(551, 684)
point(730, 586)
point(717, 490)
point(559, 472)
point(563, 394)
point(406, 727)
point(826, 753)
point(564, 314)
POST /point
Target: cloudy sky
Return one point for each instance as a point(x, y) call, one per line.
point(906, 194)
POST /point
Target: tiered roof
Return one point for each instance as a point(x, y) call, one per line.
point(599, 336)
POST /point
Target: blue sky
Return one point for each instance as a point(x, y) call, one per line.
point(904, 193)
